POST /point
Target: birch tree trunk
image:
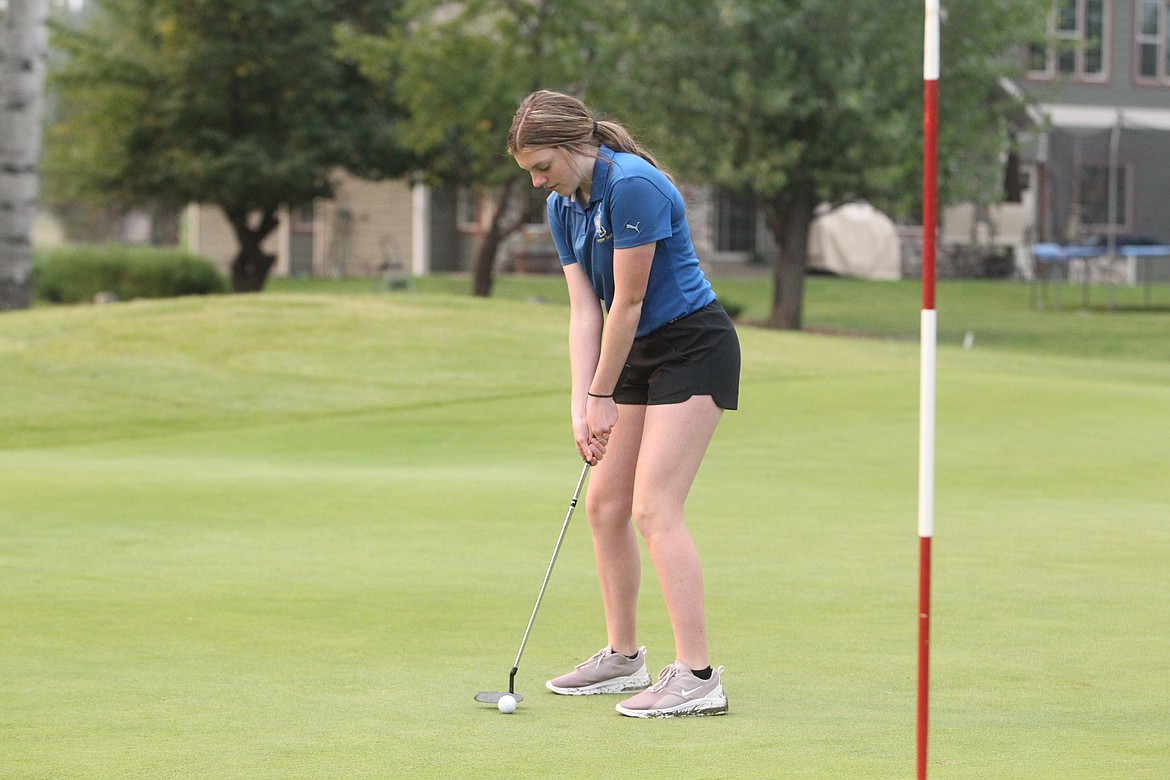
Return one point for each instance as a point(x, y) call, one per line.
point(23, 47)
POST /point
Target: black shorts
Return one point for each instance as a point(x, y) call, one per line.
point(694, 355)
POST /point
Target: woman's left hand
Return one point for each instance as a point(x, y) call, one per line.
point(601, 415)
point(591, 448)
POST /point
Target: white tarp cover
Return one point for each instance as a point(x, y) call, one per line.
point(855, 239)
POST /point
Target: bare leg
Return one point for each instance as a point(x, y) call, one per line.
point(673, 443)
point(608, 504)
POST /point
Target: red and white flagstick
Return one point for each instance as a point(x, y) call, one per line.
point(929, 336)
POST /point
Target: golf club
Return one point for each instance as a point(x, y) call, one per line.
point(493, 697)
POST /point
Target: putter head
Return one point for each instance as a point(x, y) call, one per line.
point(493, 697)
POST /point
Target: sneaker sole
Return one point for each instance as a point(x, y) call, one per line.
point(616, 685)
point(690, 709)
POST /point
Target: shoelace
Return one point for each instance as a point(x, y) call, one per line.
point(596, 659)
point(664, 678)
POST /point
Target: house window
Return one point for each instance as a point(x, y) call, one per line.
point(537, 207)
point(1095, 197)
point(466, 209)
point(301, 219)
point(1077, 44)
point(1152, 40)
point(735, 230)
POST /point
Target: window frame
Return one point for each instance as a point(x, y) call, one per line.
point(1127, 195)
point(1063, 41)
point(1159, 39)
point(736, 223)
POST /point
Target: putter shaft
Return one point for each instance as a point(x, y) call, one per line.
point(548, 573)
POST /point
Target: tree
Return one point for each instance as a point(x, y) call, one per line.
point(23, 48)
point(462, 70)
point(798, 102)
point(239, 103)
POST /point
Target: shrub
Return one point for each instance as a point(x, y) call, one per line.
point(77, 273)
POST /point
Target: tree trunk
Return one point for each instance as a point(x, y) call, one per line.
point(23, 48)
point(1013, 185)
point(789, 220)
point(252, 264)
point(511, 211)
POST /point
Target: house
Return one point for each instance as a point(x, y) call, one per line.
point(1098, 165)
point(368, 228)
point(372, 228)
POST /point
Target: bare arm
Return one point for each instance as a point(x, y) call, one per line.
point(585, 328)
point(631, 270)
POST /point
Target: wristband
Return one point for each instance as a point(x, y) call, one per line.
point(598, 395)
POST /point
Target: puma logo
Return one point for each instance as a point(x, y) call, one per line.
point(636, 228)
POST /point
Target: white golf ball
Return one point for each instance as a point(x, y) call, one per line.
point(507, 704)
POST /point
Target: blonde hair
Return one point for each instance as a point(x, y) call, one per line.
point(553, 119)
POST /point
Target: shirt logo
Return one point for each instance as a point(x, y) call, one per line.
point(603, 234)
point(636, 228)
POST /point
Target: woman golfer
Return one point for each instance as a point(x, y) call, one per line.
point(651, 376)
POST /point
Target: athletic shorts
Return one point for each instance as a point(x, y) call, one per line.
point(697, 354)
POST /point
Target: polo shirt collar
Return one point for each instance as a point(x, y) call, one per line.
point(601, 170)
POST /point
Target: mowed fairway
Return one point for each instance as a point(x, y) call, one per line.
point(291, 536)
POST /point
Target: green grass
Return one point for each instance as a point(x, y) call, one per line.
point(1007, 315)
point(291, 535)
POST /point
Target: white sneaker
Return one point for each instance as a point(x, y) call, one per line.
point(605, 672)
point(678, 694)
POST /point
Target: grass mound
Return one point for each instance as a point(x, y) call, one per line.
point(291, 535)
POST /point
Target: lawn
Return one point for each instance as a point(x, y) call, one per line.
point(291, 535)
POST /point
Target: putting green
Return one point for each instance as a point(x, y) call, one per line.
point(291, 536)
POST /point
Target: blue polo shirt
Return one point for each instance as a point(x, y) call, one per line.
point(632, 203)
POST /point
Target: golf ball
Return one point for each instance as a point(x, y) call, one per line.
point(507, 705)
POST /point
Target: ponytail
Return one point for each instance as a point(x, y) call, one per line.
point(547, 118)
point(619, 139)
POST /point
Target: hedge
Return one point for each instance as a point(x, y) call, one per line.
point(75, 274)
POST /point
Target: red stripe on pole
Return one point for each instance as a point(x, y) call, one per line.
point(929, 190)
point(923, 651)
